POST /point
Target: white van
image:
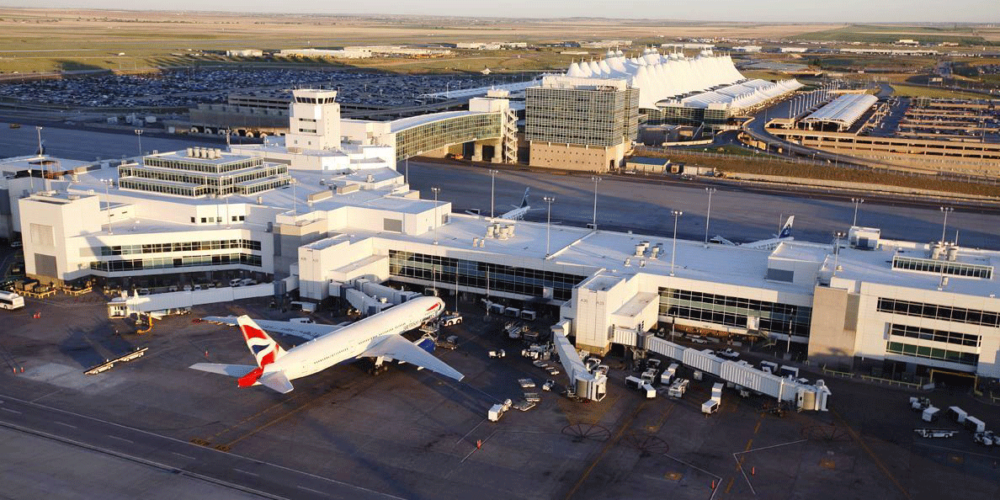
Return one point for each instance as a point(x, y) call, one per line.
point(235, 282)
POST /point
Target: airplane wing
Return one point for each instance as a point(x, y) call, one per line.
point(398, 348)
point(277, 381)
point(223, 369)
point(307, 331)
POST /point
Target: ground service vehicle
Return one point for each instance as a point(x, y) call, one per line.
point(11, 301)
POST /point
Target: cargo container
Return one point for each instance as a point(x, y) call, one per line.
point(930, 414)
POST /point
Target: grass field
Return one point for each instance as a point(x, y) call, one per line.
point(934, 92)
point(44, 40)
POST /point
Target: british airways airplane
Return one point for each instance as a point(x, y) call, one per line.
point(376, 337)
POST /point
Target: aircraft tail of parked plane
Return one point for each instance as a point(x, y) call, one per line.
point(768, 244)
point(519, 211)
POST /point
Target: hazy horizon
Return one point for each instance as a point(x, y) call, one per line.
point(761, 11)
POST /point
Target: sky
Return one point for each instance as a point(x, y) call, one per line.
point(979, 11)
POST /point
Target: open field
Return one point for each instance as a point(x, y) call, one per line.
point(965, 35)
point(935, 92)
point(72, 40)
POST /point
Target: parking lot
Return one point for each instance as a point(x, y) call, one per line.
point(412, 434)
point(193, 86)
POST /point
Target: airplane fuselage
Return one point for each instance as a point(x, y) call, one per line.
point(350, 342)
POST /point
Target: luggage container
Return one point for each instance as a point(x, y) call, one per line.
point(633, 382)
point(957, 414)
point(648, 388)
point(974, 424)
point(709, 407)
point(668, 375)
point(769, 366)
point(930, 414)
point(789, 371)
point(528, 315)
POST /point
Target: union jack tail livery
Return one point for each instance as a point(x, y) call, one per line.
point(262, 346)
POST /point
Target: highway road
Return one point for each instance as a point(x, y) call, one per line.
point(89, 145)
point(245, 475)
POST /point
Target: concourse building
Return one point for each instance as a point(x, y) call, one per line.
point(863, 302)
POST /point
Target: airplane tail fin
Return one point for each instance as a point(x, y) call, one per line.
point(786, 230)
point(524, 201)
point(264, 349)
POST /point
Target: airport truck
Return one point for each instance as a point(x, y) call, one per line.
point(985, 438)
point(935, 433)
point(498, 410)
point(668, 375)
point(640, 385)
point(919, 404)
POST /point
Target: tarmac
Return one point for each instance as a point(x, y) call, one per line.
point(154, 427)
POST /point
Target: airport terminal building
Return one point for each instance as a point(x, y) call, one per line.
point(862, 302)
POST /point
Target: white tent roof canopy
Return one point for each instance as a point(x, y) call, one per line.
point(844, 110)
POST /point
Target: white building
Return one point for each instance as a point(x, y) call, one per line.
point(205, 215)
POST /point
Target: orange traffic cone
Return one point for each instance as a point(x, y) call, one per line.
point(479, 444)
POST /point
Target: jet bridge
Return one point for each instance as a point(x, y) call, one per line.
point(585, 384)
point(805, 396)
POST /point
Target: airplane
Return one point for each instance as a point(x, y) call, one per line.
point(768, 244)
point(519, 210)
point(376, 337)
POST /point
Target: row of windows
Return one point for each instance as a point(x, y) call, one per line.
point(915, 332)
point(945, 313)
point(495, 277)
point(169, 262)
point(187, 246)
point(734, 311)
point(193, 166)
point(211, 220)
point(581, 116)
point(942, 267)
point(205, 180)
point(155, 187)
point(965, 358)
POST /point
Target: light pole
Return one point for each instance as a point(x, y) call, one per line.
point(548, 223)
point(138, 133)
point(596, 180)
point(857, 202)
point(493, 185)
point(39, 130)
point(437, 220)
point(708, 215)
point(944, 226)
point(837, 235)
point(107, 200)
point(673, 252)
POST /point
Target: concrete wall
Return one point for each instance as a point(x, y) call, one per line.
point(832, 337)
point(573, 157)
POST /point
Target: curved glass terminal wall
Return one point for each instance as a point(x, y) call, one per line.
point(420, 139)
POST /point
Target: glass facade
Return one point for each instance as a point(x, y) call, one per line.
point(683, 115)
point(187, 246)
point(734, 311)
point(914, 332)
point(933, 311)
point(124, 265)
point(942, 267)
point(592, 117)
point(495, 277)
point(964, 358)
point(438, 134)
